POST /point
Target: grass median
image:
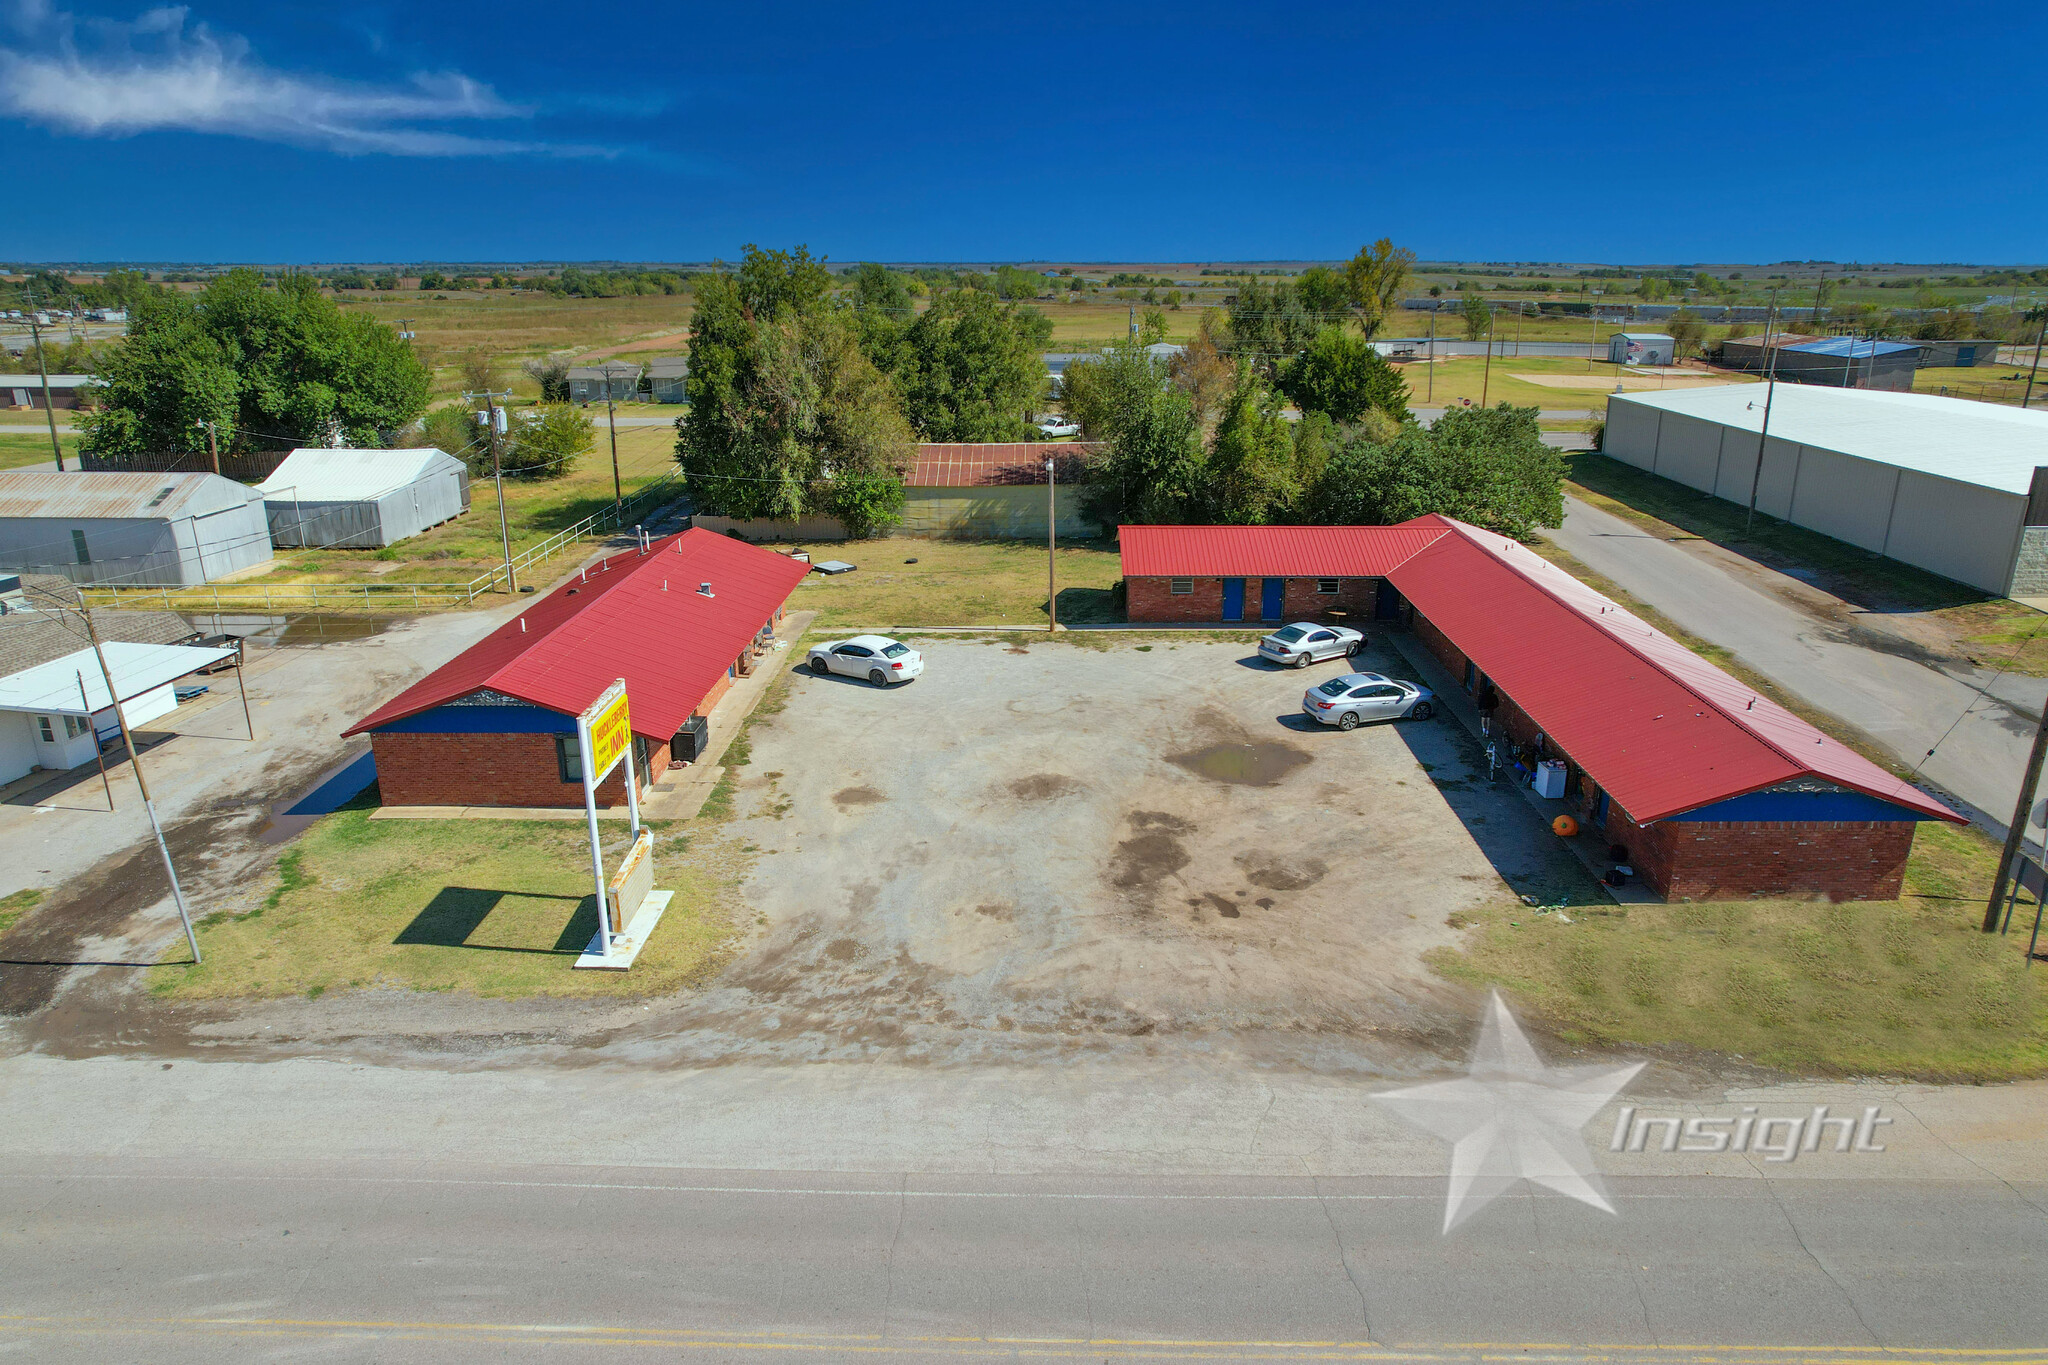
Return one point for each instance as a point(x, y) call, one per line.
point(1910, 988)
point(903, 582)
point(488, 907)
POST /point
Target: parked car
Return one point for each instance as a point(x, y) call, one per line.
point(1059, 426)
point(877, 658)
point(1302, 644)
point(1351, 699)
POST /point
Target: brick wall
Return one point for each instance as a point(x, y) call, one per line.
point(1861, 860)
point(486, 770)
point(1152, 599)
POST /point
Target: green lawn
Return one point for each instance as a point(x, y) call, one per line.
point(21, 446)
point(958, 583)
point(1909, 988)
point(490, 907)
point(1591, 381)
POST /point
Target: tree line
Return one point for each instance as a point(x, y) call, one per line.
point(805, 401)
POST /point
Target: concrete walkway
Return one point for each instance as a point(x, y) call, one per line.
point(1907, 706)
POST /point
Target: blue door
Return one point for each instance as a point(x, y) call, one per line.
point(1271, 592)
point(1233, 599)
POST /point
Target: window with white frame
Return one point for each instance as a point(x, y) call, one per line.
point(1180, 586)
point(49, 733)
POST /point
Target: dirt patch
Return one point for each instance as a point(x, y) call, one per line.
point(1146, 859)
point(1160, 820)
point(847, 798)
point(1044, 787)
point(1263, 764)
point(1280, 874)
point(1222, 905)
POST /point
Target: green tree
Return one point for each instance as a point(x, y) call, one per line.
point(1486, 466)
point(1477, 316)
point(788, 416)
point(1324, 293)
point(1268, 323)
point(452, 428)
point(542, 443)
point(1154, 470)
point(1105, 394)
point(1344, 376)
point(970, 369)
point(1249, 478)
point(273, 367)
point(1688, 334)
point(1377, 275)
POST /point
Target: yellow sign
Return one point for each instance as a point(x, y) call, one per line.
point(611, 731)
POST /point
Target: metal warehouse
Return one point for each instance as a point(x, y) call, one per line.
point(1945, 484)
point(1710, 789)
point(158, 530)
point(496, 725)
point(362, 499)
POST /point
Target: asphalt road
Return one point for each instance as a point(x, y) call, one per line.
point(1908, 706)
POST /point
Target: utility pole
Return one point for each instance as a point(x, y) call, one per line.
point(1430, 397)
point(611, 416)
point(492, 420)
point(212, 445)
point(2025, 398)
point(1756, 478)
point(135, 762)
point(2015, 834)
point(1486, 375)
point(49, 408)
point(1052, 587)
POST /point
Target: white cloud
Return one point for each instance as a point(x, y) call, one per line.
point(163, 73)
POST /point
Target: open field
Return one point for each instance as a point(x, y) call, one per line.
point(1985, 383)
point(957, 583)
point(492, 908)
point(1905, 988)
point(1528, 381)
point(1989, 631)
point(28, 446)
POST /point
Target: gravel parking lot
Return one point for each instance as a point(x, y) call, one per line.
point(1046, 842)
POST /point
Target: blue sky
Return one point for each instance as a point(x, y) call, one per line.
point(512, 131)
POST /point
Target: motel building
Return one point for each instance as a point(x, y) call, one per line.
point(1711, 790)
point(496, 726)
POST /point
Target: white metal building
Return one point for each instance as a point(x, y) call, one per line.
point(362, 499)
point(55, 715)
point(155, 530)
point(1953, 486)
point(1641, 348)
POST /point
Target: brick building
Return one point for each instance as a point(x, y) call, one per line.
point(1711, 790)
point(496, 725)
point(1263, 573)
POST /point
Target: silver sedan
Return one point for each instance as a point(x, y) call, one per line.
point(1351, 699)
point(1302, 643)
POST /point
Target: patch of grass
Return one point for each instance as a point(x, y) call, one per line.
point(1908, 988)
point(718, 805)
point(14, 906)
point(960, 583)
point(21, 446)
point(494, 908)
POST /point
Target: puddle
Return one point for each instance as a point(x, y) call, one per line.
point(1251, 765)
point(1044, 787)
point(302, 628)
point(332, 790)
point(848, 797)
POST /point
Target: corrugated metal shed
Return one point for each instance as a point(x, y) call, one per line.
point(1850, 347)
point(1271, 551)
point(1985, 444)
point(1658, 727)
point(990, 464)
point(318, 474)
point(639, 617)
point(79, 496)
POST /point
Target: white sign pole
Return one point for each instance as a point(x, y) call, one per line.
point(604, 920)
point(632, 785)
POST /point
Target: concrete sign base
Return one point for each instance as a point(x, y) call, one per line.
point(626, 946)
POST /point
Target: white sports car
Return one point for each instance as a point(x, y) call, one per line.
point(877, 658)
point(1302, 644)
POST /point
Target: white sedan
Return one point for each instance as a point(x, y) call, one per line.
point(877, 658)
point(1351, 699)
point(1302, 644)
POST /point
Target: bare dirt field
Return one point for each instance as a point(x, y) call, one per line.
point(1041, 840)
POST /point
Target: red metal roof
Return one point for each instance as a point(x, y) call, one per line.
point(1658, 727)
point(637, 617)
point(985, 464)
point(1259, 551)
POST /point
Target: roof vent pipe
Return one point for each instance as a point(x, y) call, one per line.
point(704, 590)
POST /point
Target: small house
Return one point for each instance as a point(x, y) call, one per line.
point(1641, 348)
point(616, 380)
point(666, 378)
point(26, 390)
